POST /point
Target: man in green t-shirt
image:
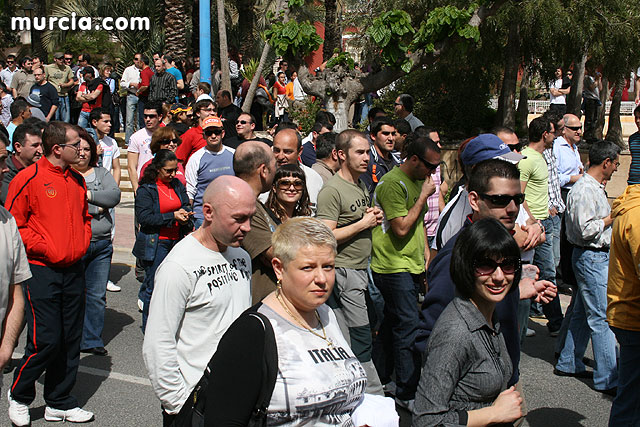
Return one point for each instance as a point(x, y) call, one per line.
point(61, 77)
point(343, 204)
point(398, 263)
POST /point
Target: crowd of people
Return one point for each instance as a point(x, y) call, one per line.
point(302, 278)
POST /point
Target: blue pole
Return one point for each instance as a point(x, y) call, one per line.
point(205, 41)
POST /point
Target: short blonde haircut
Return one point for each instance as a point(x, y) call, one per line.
point(299, 232)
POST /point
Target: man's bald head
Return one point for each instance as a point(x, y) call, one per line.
point(572, 128)
point(224, 187)
point(249, 155)
point(287, 145)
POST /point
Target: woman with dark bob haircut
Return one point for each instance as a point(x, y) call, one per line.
point(464, 379)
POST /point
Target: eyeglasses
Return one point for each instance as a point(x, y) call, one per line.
point(502, 200)
point(387, 133)
point(285, 184)
point(75, 145)
point(487, 266)
point(574, 128)
point(150, 116)
point(170, 171)
point(207, 109)
point(210, 132)
point(427, 164)
point(174, 141)
point(243, 122)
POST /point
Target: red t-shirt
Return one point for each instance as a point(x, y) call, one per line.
point(145, 80)
point(192, 141)
point(89, 107)
point(169, 202)
point(281, 89)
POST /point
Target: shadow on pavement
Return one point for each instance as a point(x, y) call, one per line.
point(541, 346)
point(552, 417)
point(114, 322)
point(118, 271)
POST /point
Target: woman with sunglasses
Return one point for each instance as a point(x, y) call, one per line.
point(464, 378)
point(289, 196)
point(103, 194)
point(165, 138)
point(164, 213)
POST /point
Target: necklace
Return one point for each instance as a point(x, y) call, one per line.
point(300, 322)
point(169, 195)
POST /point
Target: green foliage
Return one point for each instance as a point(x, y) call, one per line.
point(95, 43)
point(8, 38)
point(393, 34)
point(293, 38)
point(294, 3)
point(341, 58)
point(304, 113)
point(445, 22)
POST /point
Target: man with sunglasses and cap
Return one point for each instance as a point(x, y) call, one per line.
point(193, 139)
point(208, 163)
point(398, 263)
point(494, 191)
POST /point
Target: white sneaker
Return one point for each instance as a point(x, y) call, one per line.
point(75, 415)
point(140, 305)
point(406, 404)
point(530, 333)
point(112, 287)
point(18, 412)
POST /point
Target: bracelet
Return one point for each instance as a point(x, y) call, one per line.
point(542, 226)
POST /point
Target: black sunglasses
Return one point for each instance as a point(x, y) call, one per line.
point(209, 132)
point(242, 122)
point(574, 128)
point(487, 266)
point(502, 200)
point(428, 165)
point(175, 141)
point(150, 116)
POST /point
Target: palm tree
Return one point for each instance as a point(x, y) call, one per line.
point(224, 50)
point(177, 20)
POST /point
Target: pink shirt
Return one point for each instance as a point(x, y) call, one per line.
point(431, 217)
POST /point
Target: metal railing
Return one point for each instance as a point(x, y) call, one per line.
point(539, 107)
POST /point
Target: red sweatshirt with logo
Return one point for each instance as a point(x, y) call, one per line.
point(50, 207)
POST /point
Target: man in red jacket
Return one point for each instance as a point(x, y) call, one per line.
point(49, 203)
point(193, 139)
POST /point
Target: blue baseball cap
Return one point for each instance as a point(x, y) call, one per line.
point(488, 146)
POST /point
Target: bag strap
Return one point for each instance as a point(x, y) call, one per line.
point(269, 369)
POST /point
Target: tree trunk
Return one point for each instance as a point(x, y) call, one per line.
point(574, 99)
point(224, 50)
point(507, 101)
point(614, 132)
point(246, 24)
point(522, 113)
point(175, 24)
point(248, 101)
point(37, 47)
point(195, 34)
point(604, 97)
point(332, 37)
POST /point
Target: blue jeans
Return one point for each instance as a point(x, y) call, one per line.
point(543, 259)
point(393, 347)
point(553, 232)
point(132, 103)
point(63, 112)
point(150, 267)
point(625, 410)
point(97, 265)
point(589, 321)
point(83, 120)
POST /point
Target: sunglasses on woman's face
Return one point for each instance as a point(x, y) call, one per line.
point(487, 266)
point(170, 171)
point(285, 184)
point(174, 141)
point(209, 132)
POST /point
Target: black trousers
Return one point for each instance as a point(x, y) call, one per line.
point(54, 314)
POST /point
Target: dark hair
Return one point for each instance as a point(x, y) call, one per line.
point(481, 174)
point(24, 59)
point(343, 140)
point(504, 129)
point(83, 134)
point(371, 115)
point(3, 87)
point(417, 146)
point(252, 118)
point(424, 131)
point(636, 110)
point(601, 151)
point(151, 172)
point(145, 59)
point(205, 87)
point(162, 134)
point(88, 70)
point(325, 144)
point(18, 107)
point(317, 126)
point(96, 114)
point(34, 121)
point(225, 94)
point(302, 207)
point(252, 158)
point(86, 57)
point(323, 116)
point(286, 125)
point(403, 127)
point(168, 58)
point(553, 116)
point(377, 125)
point(154, 105)
point(20, 133)
point(484, 239)
point(55, 134)
point(538, 127)
point(4, 139)
point(407, 101)
point(203, 103)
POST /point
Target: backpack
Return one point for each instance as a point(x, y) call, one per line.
point(192, 413)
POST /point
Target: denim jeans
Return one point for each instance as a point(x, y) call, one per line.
point(132, 103)
point(589, 321)
point(393, 347)
point(553, 233)
point(97, 264)
point(83, 120)
point(543, 259)
point(625, 410)
point(63, 112)
point(150, 267)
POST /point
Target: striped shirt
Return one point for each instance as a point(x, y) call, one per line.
point(555, 198)
point(203, 167)
point(634, 169)
point(163, 88)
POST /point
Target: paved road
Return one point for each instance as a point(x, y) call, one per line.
point(117, 390)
